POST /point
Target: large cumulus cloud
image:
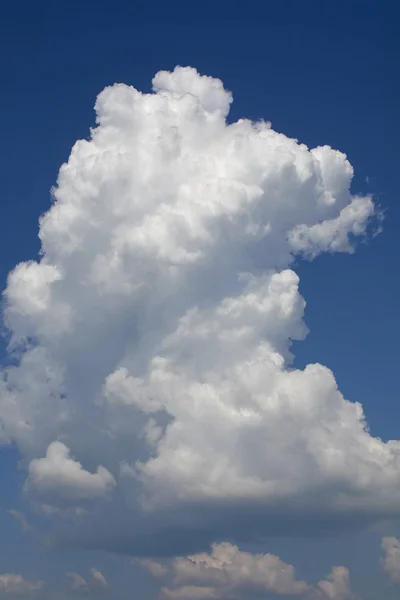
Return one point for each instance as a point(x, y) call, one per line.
point(150, 375)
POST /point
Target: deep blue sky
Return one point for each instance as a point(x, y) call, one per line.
point(323, 72)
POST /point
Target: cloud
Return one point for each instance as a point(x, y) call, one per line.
point(77, 581)
point(391, 561)
point(336, 586)
point(60, 475)
point(228, 573)
point(99, 577)
point(13, 584)
point(88, 586)
point(153, 336)
point(20, 517)
point(334, 234)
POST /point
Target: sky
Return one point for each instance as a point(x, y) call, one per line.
point(199, 258)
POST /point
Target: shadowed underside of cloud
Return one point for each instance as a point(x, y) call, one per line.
point(151, 377)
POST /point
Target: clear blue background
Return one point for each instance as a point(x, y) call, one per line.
point(323, 72)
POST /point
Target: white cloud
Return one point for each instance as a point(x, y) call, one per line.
point(99, 577)
point(226, 572)
point(336, 586)
point(154, 333)
point(87, 585)
point(60, 475)
point(332, 235)
point(13, 584)
point(391, 560)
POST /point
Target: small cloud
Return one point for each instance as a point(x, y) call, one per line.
point(92, 584)
point(20, 517)
point(391, 560)
point(12, 583)
point(77, 581)
point(99, 577)
point(154, 568)
point(336, 586)
point(59, 475)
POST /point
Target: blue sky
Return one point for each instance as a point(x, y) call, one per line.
point(321, 74)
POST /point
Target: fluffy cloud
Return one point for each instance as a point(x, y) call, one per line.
point(60, 475)
point(153, 335)
point(15, 585)
point(391, 560)
point(98, 577)
point(336, 586)
point(228, 573)
point(80, 584)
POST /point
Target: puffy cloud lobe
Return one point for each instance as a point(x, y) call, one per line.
point(208, 93)
point(98, 577)
point(60, 475)
point(334, 234)
point(391, 560)
point(154, 334)
point(336, 586)
point(28, 296)
point(15, 585)
point(226, 573)
point(243, 425)
point(79, 583)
